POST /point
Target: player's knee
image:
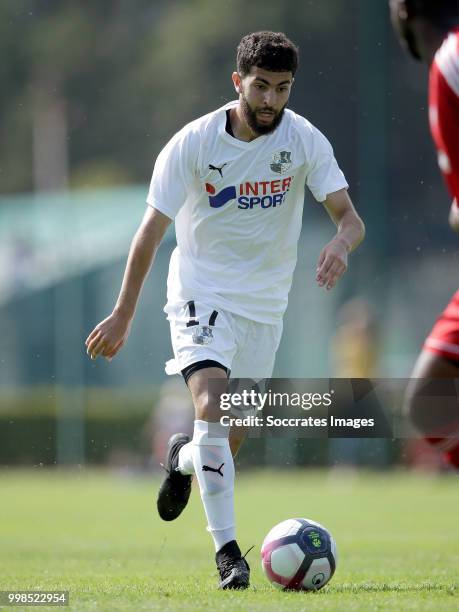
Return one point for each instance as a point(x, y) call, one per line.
point(207, 405)
point(415, 406)
point(411, 401)
point(431, 405)
point(206, 393)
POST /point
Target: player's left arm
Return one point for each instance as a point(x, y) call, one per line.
point(333, 259)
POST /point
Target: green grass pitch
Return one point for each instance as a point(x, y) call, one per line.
point(97, 535)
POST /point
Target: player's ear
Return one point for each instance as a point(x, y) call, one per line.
point(236, 82)
point(400, 9)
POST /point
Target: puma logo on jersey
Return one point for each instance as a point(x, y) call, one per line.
point(206, 468)
point(219, 169)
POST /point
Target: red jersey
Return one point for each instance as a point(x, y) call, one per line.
point(444, 109)
point(444, 125)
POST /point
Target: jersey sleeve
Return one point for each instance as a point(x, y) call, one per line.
point(324, 175)
point(445, 81)
point(174, 173)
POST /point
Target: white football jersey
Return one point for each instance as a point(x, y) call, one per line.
point(238, 210)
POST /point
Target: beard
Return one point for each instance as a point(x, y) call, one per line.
point(250, 116)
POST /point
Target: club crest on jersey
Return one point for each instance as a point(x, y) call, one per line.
point(281, 162)
point(203, 334)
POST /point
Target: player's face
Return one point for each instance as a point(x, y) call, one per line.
point(263, 98)
point(402, 23)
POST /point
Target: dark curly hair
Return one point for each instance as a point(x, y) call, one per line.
point(440, 12)
point(269, 50)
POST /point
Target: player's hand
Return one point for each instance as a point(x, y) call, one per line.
point(332, 263)
point(108, 336)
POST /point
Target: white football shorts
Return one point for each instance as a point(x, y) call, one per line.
point(199, 331)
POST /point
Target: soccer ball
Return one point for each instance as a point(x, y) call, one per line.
point(299, 554)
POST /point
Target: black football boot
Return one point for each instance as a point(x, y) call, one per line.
point(232, 566)
point(176, 487)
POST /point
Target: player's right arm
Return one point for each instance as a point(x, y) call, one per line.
point(173, 176)
point(109, 335)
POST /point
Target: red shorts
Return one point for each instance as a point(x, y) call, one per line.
point(444, 337)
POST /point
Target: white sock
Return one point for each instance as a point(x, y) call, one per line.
point(214, 469)
point(185, 459)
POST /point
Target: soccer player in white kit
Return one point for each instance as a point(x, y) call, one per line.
point(234, 182)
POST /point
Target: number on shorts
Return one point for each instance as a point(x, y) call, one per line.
point(193, 321)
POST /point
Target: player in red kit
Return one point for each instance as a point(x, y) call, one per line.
point(429, 29)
